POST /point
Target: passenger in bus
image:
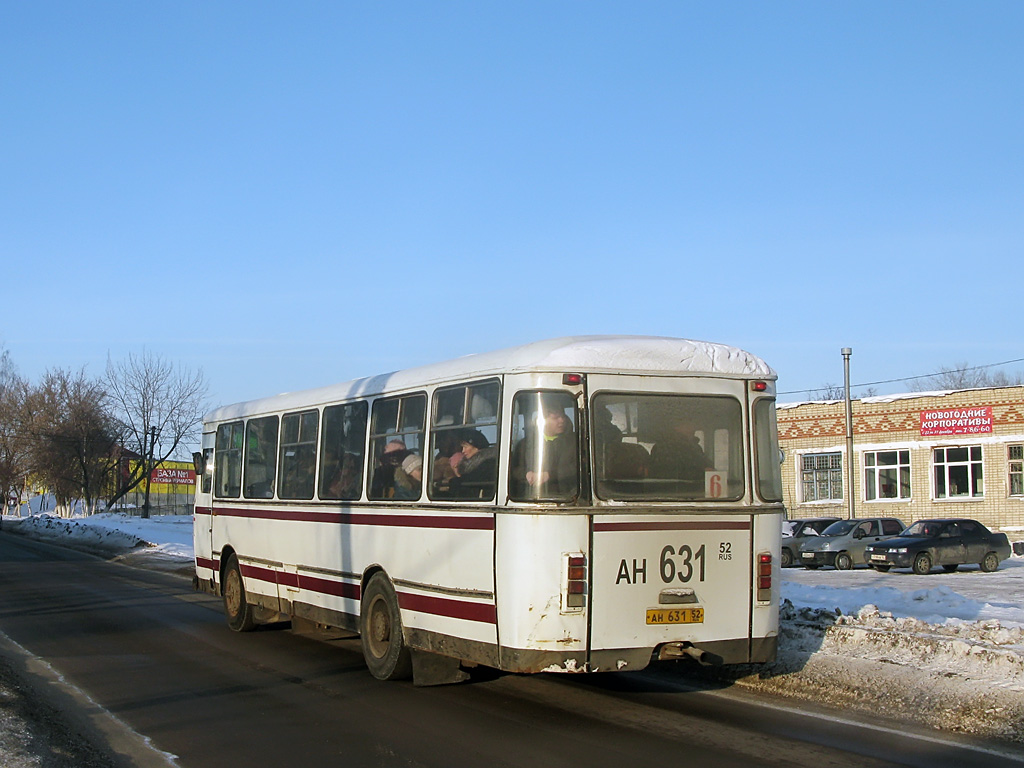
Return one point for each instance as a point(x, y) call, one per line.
point(345, 477)
point(409, 477)
point(679, 456)
point(390, 460)
point(618, 460)
point(545, 464)
point(477, 473)
point(446, 458)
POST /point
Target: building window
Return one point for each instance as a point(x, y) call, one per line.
point(958, 473)
point(1015, 454)
point(887, 475)
point(822, 476)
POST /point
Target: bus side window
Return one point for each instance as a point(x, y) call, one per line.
point(397, 426)
point(260, 457)
point(341, 451)
point(228, 462)
point(464, 442)
point(207, 470)
point(297, 462)
point(545, 453)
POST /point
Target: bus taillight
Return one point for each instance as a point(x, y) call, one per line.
point(576, 581)
point(764, 577)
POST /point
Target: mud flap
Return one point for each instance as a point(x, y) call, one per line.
point(434, 669)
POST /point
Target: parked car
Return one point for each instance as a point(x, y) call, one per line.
point(946, 542)
point(795, 533)
point(842, 544)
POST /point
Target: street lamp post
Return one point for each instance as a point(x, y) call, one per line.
point(850, 473)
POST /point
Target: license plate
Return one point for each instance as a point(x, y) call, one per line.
point(807, 555)
point(675, 616)
point(878, 557)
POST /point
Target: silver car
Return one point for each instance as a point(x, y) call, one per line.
point(796, 532)
point(842, 544)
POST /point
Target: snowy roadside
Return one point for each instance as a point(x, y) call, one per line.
point(946, 650)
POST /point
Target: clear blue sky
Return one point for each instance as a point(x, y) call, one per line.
point(287, 195)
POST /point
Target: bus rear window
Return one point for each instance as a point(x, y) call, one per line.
point(667, 447)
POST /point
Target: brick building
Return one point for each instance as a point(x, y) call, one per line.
point(915, 456)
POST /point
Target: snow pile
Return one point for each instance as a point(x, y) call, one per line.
point(107, 539)
point(932, 655)
point(163, 542)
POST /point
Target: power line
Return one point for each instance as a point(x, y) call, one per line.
point(906, 378)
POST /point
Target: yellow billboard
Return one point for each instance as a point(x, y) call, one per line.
point(171, 477)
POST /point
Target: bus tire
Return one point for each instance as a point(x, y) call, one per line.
point(237, 609)
point(380, 629)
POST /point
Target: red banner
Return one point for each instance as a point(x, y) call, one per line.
point(956, 421)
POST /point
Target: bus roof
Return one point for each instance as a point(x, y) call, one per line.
point(652, 355)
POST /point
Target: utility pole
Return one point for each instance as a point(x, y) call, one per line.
point(149, 470)
point(850, 473)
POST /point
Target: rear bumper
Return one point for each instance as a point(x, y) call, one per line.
point(758, 650)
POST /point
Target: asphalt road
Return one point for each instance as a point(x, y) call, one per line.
point(144, 672)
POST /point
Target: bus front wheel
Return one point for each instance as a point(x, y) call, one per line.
point(380, 628)
point(239, 612)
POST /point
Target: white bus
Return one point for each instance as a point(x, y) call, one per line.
point(579, 504)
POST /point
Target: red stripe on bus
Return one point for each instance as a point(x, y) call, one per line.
point(297, 581)
point(478, 523)
point(677, 525)
point(437, 606)
point(203, 562)
point(443, 606)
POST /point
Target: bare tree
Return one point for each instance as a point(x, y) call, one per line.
point(73, 437)
point(964, 376)
point(159, 407)
point(832, 392)
point(14, 431)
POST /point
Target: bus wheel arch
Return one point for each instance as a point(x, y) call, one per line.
point(380, 629)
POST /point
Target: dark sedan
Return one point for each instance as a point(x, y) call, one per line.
point(948, 542)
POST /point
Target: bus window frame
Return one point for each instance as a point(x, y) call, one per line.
point(737, 441)
point(582, 452)
point(321, 452)
point(371, 456)
point(281, 450)
point(221, 462)
point(433, 428)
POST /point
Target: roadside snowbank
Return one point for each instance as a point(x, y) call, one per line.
point(946, 649)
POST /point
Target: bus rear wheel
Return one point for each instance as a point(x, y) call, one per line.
point(380, 629)
point(236, 607)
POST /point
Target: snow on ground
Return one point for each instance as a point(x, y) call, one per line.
point(945, 649)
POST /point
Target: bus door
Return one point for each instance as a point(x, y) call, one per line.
point(202, 529)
